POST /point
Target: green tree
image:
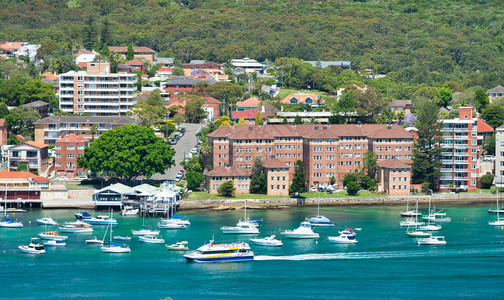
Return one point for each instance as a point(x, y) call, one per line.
point(258, 118)
point(241, 121)
point(481, 99)
point(21, 120)
point(128, 152)
point(3, 110)
point(131, 53)
point(194, 180)
point(194, 111)
point(89, 30)
point(192, 164)
point(446, 96)
point(298, 120)
point(489, 145)
point(350, 177)
point(353, 188)
point(22, 167)
point(105, 50)
point(369, 164)
point(93, 131)
point(426, 158)
point(493, 115)
point(151, 110)
point(258, 181)
point(178, 119)
point(370, 104)
point(47, 49)
point(226, 189)
point(178, 71)
point(298, 184)
point(487, 181)
point(225, 91)
point(332, 180)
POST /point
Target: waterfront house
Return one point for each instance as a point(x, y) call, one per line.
point(110, 196)
point(139, 52)
point(34, 155)
point(68, 148)
point(22, 185)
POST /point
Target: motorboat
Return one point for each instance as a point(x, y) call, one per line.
point(113, 247)
point(432, 240)
point(348, 231)
point(56, 242)
point(242, 227)
point(430, 227)
point(46, 221)
point(10, 223)
point(226, 252)
point(101, 220)
point(178, 246)
point(145, 231)
point(123, 238)
point(267, 241)
point(95, 241)
point(83, 215)
point(342, 239)
point(319, 221)
point(76, 227)
point(129, 211)
point(304, 231)
point(182, 220)
point(151, 239)
point(411, 222)
point(170, 224)
point(52, 235)
point(33, 248)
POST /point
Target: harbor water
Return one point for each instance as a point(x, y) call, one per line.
point(385, 263)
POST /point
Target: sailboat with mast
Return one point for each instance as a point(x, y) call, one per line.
point(429, 226)
point(145, 230)
point(7, 222)
point(318, 220)
point(499, 221)
point(417, 233)
point(244, 226)
point(171, 223)
point(114, 247)
point(410, 213)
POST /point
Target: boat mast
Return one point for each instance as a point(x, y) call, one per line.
point(245, 211)
point(498, 219)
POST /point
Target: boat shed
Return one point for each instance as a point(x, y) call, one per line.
point(140, 192)
point(110, 196)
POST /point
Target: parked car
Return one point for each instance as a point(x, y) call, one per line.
point(173, 142)
point(194, 150)
point(179, 176)
point(489, 157)
point(313, 189)
point(83, 177)
point(183, 130)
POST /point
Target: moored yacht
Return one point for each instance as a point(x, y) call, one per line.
point(77, 227)
point(411, 222)
point(170, 224)
point(242, 227)
point(319, 221)
point(145, 231)
point(56, 242)
point(101, 220)
point(10, 223)
point(267, 241)
point(227, 252)
point(432, 240)
point(51, 235)
point(346, 236)
point(151, 239)
point(82, 215)
point(304, 231)
point(179, 246)
point(33, 248)
point(46, 221)
point(430, 227)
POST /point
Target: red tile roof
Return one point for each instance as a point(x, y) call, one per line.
point(228, 171)
point(273, 163)
point(136, 49)
point(135, 62)
point(301, 98)
point(483, 127)
point(211, 100)
point(165, 69)
point(72, 137)
point(82, 65)
point(36, 144)
point(247, 114)
point(50, 76)
point(249, 102)
point(22, 174)
point(393, 163)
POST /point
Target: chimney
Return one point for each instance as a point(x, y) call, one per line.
point(263, 109)
point(389, 126)
point(359, 123)
point(315, 127)
point(250, 128)
point(325, 127)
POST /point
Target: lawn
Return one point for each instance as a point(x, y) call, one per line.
point(341, 194)
point(285, 92)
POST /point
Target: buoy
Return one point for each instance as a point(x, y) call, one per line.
point(316, 242)
point(502, 228)
point(29, 222)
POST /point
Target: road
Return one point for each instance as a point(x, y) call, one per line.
point(184, 146)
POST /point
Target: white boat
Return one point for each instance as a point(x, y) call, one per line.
point(182, 220)
point(145, 231)
point(122, 238)
point(56, 242)
point(304, 231)
point(348, 231)
point(170, 224)
point(411, 222)
point(151, 239)
point(267, 241)
point(417, 233)
point(76, 227)
point(318, 220)
point(9, 222)
point(178, 246)
point(33, 248)
point(46, 221)
point(227, 252)
point(95, 241)
point(101, 220)
point(83, 215)
point(242, 227)
point(433, 240)
point(499, 221)
point(430, 227)
point(129, 211)
point(437, 217)
point(342, 239)
point(408, 212)
point(51, 235)
point(113, 247)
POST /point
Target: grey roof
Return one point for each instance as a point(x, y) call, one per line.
point(269, 109)
point(87, 119)
point(164, 60)
point(197, 61)
point(497, 89)
point(400, 103)
point(325, 63)
point(190, 81)
point(35, 104)
point(117, 187)
point(54, 82)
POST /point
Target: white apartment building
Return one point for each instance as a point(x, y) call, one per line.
point(499, 156)
point(97, 91)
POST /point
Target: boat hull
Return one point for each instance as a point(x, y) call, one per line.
point(145, 232)
point(152, 241)
point(177, 248)
point(26, 249)
point(301, 236)
point(497, 223)
point(11, 225)
point(52, 237)
point(115, 250)
point(418, 234)
point(171, 226)
point(75, 230)
point(237, 231)
point(219, 259)
point(46, 222)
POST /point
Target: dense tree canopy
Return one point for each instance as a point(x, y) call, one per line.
point(128, 152)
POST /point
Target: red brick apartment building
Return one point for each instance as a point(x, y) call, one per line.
point(326, 150)
point(67, 150)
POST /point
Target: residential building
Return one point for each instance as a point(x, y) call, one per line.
point(326, 150)
point(217, 176)
point(3, 132)
point(33, 154)
point(277, 176)
point(394, 177)
point(40, 106)
point(496, 92)
point(248, 115)
point(499, 156)
point(400, 106)
point(484, 131)
point(164, 72)
point(212, 107)
point(184, 85)
point(202, 70)
point(460, 152)
point(248, 65)
point(50, 129)
point(249, 103)
point(321, 117)
point(68, 148)
point(140, 53)
point(164, 61)
point(301, 98)
point(97, 91)
point(136, 65)
point(14, 50)
point(23, 185)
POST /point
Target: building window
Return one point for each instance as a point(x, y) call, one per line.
point(70, 155)
point(58, 164)
point(58, 155)
point(57, 147)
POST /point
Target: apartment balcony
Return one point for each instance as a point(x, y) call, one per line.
point(459, 170)
point(114, 96)
point(94, 103)
point(461, 146)
point(461, 129)
point(89, 81)
point(444, 170)
point(87, 88)
point(446, 145)
point(460, 138)
point(460, 154)
point(66, 88)
point(98, 110)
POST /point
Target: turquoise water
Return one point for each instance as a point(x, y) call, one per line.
point(384, 264)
